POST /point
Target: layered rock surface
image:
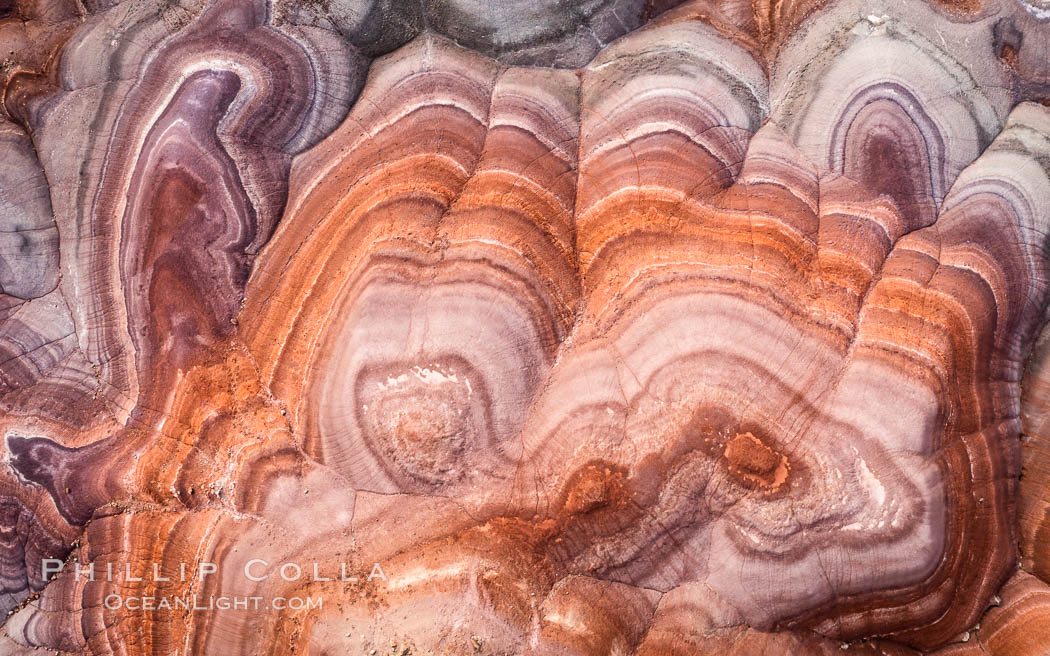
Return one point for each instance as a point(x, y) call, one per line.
point(620, 328)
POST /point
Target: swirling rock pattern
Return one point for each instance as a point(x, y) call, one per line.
point(614, 327)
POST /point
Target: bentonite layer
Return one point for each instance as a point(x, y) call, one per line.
point(611, 327)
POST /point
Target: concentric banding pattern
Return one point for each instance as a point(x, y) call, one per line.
point(704, 336)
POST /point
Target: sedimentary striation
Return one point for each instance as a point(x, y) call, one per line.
point(489, 328)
